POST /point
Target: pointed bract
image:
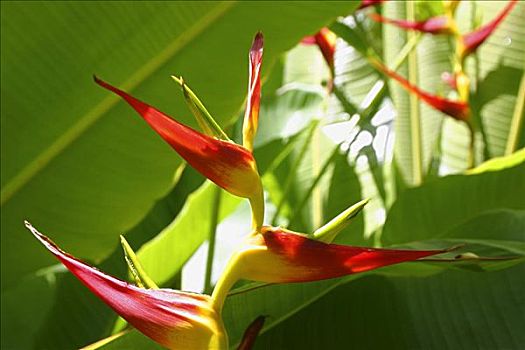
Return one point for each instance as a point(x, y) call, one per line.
point(279, 256)
point(456, 109)
point(175, 319)
point(433, 25)
point(206, 122)
point(328, 232)
point(135, 267)
point(251, 333)
point(227, 164)
point(251, 115)
point(473, 40)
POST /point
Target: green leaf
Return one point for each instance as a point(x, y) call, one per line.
point(495, 72)
point(21, 309)
point(431, 210)
point(82, 166)
point(72, 315)
point(453, 310)
point(132, 340)
point(164, 256)
point(287, 112)
point(500, 68)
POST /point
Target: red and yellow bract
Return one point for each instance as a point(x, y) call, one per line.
point(227, 164)
point(471, 41)
point(456, 109)
point(175, 319)
point(276, 255)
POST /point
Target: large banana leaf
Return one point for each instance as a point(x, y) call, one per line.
point(81, 166)
point(457, 309)
point(431, 210)
point(62, 298)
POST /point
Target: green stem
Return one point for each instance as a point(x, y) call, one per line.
point(228, 278)
point(293, 170)
point(214, 221)
point(472, 148)
point(415, 122)
point(517, 120)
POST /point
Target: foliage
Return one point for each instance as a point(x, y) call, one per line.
point(85, 172)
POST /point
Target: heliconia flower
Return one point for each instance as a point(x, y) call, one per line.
point(433, 25)
point(227, 164)
point(174, 319)
point(276, 255)
point(325, 39)
point(367, 3)
point(456, 109)
point(471, 41)
point(251, 116)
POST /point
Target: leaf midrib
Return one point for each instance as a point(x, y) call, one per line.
point(87, 120)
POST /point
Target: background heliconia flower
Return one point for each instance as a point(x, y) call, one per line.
point(472, 40)
point(433, 25)
point(227, 164)
point(175, 319)
point(277, 255)
point(368, 3)
point(325, 39)
point(459, 110)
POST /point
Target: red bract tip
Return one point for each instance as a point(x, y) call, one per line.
point(326, 39)
point(280, 256)
point(433, 25)
point(473, 40)
point(230, 166)
point(251, 116)
point(175, 319)
point(367, 3)
point(455, 109)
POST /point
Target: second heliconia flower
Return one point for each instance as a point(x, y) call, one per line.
point(227, 164)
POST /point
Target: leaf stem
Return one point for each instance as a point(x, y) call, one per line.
point(517, 119)
point(214, 220)
point(415, 122)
